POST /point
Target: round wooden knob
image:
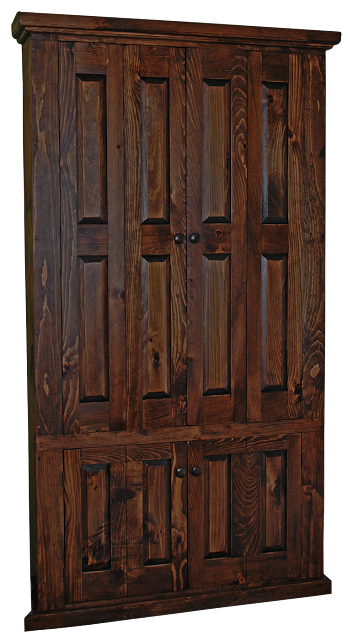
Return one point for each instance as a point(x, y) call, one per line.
point(179, 238)
point(180, 472)
point(194, 238)
point(196, 471)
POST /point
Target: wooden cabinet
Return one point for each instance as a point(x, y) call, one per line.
point(174, 215)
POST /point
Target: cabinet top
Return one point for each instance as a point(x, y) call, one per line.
point(61, 27)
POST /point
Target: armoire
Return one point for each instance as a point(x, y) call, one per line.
point(174, 221)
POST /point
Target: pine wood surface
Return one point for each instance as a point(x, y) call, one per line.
point(174, 216)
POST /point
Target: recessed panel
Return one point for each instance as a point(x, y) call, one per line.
point(216, 324)
point(154, 151)
point(156, 326)
point(274, 153)
point(273, 501)
point(95, 517)
point(93, 329)
point(216, 151)
point(217, 505)
point(91, 149)
point(156, 511)
point(273, 322)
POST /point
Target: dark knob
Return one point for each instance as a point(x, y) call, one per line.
point(179, 238)
point(194, 238)
point(180, 472)
point(196, 471)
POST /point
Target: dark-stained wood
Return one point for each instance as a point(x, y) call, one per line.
point(116, 239)
point(73, 552)
point(177, 137)
point(50, 530)
point(274, 152)
point(313, 225)
point(254, 237)
point(273, 509)
point(155, 276)
point(69, 284)
point(154, 150)
point(132, 237)
point(91, 145)
point(295, 248)
point(194, 225)
point(195, 517)
point(275, 67)
point(275, 238)
point(42, 220)
point(174, 604)
point(242, 429)
point(273, 323)
point(239, 155)
point(148, 452)
point(92, 240)
point(179, 518)
point(25, 22)
point(216, 325)
point(93, 330)
point(312, 504)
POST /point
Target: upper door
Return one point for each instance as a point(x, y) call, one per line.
point(183, 237)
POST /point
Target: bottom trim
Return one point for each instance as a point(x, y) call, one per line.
point(176, 604)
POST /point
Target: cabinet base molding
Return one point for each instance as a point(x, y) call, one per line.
point(176, 603)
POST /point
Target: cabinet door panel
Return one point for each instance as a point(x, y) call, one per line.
point(92, 214)
point(217, 513)
point(273, 480)
point(156, 519)
point(274, 266)
point(154, 98)
point(216, 211)
point(95, 516)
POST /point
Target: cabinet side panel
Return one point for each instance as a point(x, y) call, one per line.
point(50, 524)
point(314, 235)
point(45, 207)
point(312, 504)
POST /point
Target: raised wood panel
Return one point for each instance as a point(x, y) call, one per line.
point(156, 511)
point(217, 470)
point(155, 274)
point(95, 516)
point(91, 148)
point(154, 150)
point(216, 324)
point(216, 151)
point(93, 329)
point(274, 152)
point(273, 322)
point(273, 502)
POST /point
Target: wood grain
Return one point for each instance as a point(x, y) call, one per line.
point(68, 189)
point(73, 545)
point(312, 504)
point(133, 237)
point(194, 225)
point(239, 174)
point(295, 242)
point(254, 238)
point(195, 517)
point(313, 235)
point(42, 220)
point(50, 530)
point(177, 137)
point(179, 519)
point(116, 238)
point(91, 146)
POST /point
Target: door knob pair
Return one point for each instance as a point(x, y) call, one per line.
point(181, 472)
point(194, 238)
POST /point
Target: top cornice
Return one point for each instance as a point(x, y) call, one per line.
point(59, 26)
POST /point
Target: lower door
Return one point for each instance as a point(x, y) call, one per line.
point(273, 479)
point(125, 521)
point(244, 497)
